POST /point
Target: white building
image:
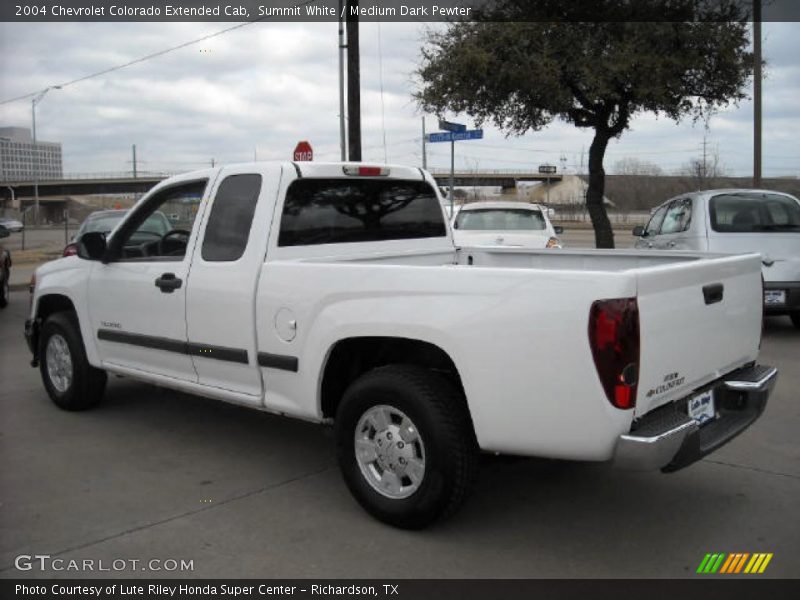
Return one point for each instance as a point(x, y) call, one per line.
point(20, 158)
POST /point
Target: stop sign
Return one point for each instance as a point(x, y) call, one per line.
point(303, 151)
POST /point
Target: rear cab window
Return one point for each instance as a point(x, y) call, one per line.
point(335, 211)
point(228, 229)
point(754, 213)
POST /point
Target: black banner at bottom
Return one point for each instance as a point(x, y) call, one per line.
point(416, 589)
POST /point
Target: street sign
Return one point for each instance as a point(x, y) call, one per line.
point(303, 152)
point(547, 169)
point(448, 136)
point(450, 126)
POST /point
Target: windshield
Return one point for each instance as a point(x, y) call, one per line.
point(156, 223)
point(104, 223)
point(749, 213)
point(501, 219)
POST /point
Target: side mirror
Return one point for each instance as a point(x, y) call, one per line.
point(639, 231)
point(558, 229)
point(92, 245)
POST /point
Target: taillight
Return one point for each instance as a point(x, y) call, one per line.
point(614, 339)
point(70, 250)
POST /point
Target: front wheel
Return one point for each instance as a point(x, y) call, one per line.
point(795, 319)
point(406, 446)
point(71, 382)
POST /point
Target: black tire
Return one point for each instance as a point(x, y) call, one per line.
point(4, 288)
point(795, 317)
point(439, 413)
point(87, 385)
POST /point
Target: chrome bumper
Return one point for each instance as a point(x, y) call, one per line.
point(668, 439)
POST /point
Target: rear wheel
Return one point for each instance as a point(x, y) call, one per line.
point(71, 382)
point(406, 446)
point(795, 319)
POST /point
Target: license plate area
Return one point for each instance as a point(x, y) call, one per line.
point(701, 407)
point(774, 297)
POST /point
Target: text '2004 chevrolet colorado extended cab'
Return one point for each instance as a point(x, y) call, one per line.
point(334, 293)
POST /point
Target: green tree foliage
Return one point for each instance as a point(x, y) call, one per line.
point(520, 72)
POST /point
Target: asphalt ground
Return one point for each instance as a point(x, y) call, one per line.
point(154, 474)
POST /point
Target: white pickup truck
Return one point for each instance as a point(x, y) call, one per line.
point(334, 293)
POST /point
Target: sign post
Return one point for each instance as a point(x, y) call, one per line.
point(303, 152)
point(547, 170)
point(455, 132)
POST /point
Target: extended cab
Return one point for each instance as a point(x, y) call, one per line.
point(334, 293)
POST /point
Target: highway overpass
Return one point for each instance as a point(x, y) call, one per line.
point(116, 183)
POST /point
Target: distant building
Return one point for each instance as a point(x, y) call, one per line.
point(20, 159)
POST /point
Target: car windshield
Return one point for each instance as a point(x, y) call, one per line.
point(156, 224)
point(501, 219)
point(754, 212)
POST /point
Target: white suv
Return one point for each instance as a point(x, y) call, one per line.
point(737, 221)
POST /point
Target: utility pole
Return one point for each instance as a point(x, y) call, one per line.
point(342, 47)
point(353, 84)
point(424, 146)
point(452, 175)
point(757, 94)
point(37, 162)
point(133, 158)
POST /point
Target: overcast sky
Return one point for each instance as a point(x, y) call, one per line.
point(261, 88)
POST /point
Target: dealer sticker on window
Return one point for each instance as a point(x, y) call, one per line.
point(701, 407)
point(774, 297)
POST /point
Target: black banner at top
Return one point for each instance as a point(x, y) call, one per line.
point(395, 10)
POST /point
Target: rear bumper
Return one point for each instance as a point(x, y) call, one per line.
point(792, 304)
point(668, 439)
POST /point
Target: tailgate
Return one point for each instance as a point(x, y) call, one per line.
point(689, 334)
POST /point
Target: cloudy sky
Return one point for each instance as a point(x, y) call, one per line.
point(259, 89)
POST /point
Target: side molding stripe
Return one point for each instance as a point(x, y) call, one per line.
point(169, 345)
point(278, 361)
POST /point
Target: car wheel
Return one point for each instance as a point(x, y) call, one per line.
point(406, 446)
point(795, 319)
point(71, 382)
point(4, 290)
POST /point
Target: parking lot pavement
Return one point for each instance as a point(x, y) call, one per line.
point(157, 474)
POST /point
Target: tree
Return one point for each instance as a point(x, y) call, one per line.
point(631, 165)
point(521, 72)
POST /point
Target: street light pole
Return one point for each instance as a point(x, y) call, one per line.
point(36, 155)
point(757, 79)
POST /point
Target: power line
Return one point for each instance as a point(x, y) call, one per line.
point(153, 55)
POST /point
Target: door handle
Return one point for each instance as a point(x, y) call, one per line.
point(713, 293)
point(671, 244)
point(168, 283)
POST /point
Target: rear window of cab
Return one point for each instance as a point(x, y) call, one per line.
point(754, 212)
point(335, 211)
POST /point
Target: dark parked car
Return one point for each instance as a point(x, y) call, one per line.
point(106, 220)
point(5, 268)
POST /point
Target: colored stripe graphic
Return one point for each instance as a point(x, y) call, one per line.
point(703, 563)
point(734, 563)
point(740, 564)
point(727, 564)
point(767, 558)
